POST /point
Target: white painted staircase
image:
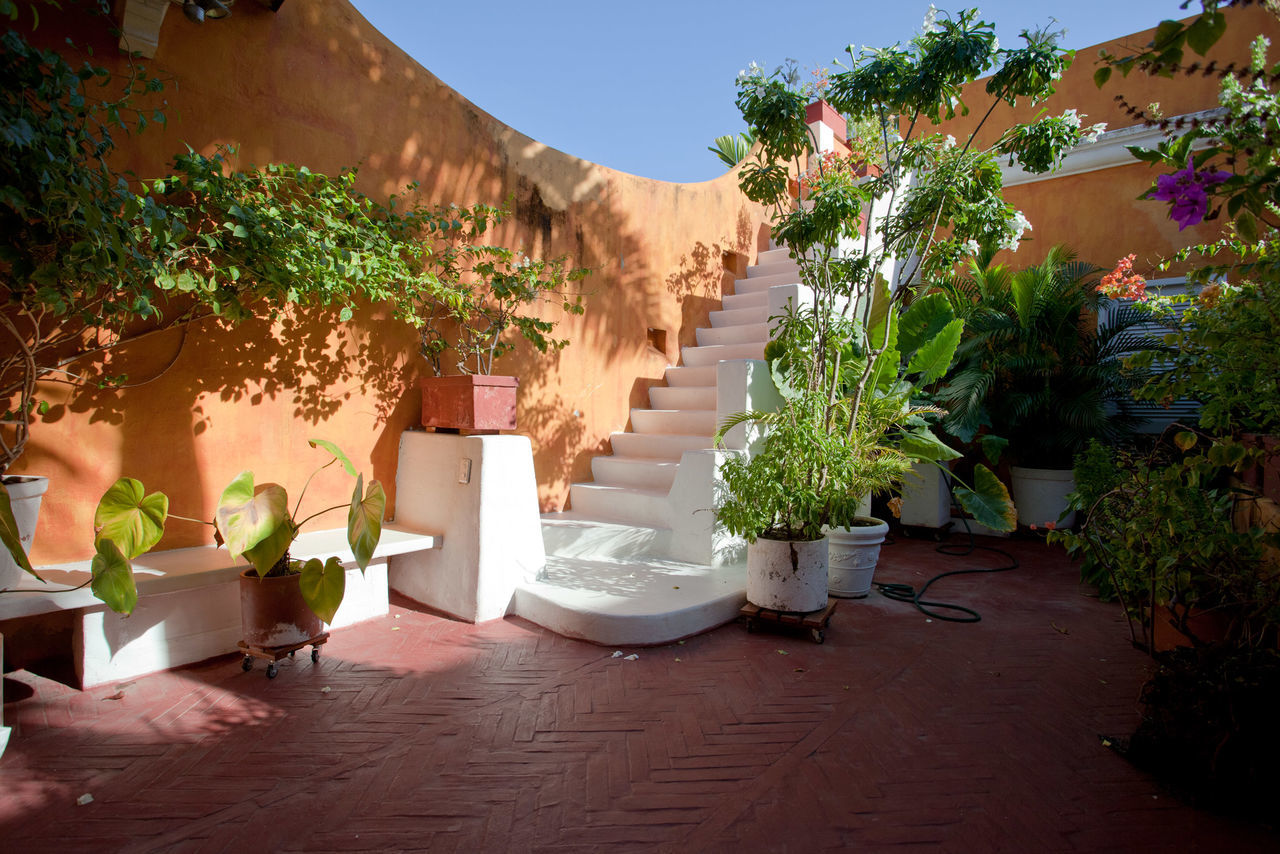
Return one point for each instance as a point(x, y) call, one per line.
point(638, 558)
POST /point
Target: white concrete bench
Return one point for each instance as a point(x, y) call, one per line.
point(189, 602)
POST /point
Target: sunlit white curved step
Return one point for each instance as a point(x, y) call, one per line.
point(685, 375)
point(663, 446)
point(620, 503)
point(764, 282)
point(751, 300)
point(702, 356)
point(739, 316)
point(688, 422)
point(682, 397)
point(741, 334)
point(634, 471)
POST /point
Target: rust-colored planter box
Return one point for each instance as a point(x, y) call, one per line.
point(469, 403)
point(1264, 477)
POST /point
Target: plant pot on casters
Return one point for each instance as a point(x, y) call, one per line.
point(787, 575)
point(1040, 495)
point(852, 556)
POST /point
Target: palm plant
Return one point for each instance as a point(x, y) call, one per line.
point(1039, 364)
point(733, 148)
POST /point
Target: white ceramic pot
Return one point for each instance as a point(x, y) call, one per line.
point(1041, 496)
point(852, 556)
point(25, 492)
point(786, 575)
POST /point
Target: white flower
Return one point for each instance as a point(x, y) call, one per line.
point(949, 142)
point(1092, 133)
point(995, 44)
point(1071, 118)
point(1018, 226)
point(970, 247)
point(930, 24)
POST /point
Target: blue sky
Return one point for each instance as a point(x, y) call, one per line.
point(645, 87)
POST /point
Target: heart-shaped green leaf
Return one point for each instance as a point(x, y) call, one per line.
point(336, 452)
point(322, 586)
point(921, 444)
point(112, 578)
point(988, 501)
point(130, 518)
point(9, 536)
point(934, 356)
point(248, 515)
point(364, 520)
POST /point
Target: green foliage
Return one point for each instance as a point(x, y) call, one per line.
point(1225, 354)
point(253, 520)
point(732, 149)
point(485, 290)
point(1157, 534)
point(1032, 367)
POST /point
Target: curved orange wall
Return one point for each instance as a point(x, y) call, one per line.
point(1098, 213)
point(315, 84)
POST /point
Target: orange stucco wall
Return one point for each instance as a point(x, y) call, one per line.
point(316, 84)
point(1098, 213)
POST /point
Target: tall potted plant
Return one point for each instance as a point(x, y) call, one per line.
point(1039, 370)
point(485, 291)
point(284, 602)
point(856, 374)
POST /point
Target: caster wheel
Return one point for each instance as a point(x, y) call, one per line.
point(292, 653)
point(272, 670)
point(818, 635)
point(315, 654)
point(751, 626)
point(247, 664)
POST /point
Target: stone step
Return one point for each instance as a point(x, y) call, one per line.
point(687, 422)
point(754, 299)
point(786, 266)
point(773, 256)
point(570, 534)
point(682, 397)
point(685, 375)
point(702, 356)
point(764, 282)
point(630, 602)
point(634, 471)
point(632, 506)
point(660, 446)
point(740, 316)
point(747, 333)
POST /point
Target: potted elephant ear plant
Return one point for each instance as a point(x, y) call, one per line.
point(485, 292)
point(284, 602)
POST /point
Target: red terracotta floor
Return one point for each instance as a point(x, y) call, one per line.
point(416, 733)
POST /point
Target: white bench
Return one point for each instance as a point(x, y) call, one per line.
point(189, 602)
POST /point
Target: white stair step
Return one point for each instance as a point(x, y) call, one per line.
point(684, 376)
point(682, 397)
point(743, 334)
point(680, 422)
point(696, 356)
point(754, 299)
point(634, 471)
point(740, 316)
point(569, 534)
point(779, 255)
point(771, 267)
point(659, 446)
point(763, 283)
point(620, 504)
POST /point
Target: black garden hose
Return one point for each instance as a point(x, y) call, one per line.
point(907, 593)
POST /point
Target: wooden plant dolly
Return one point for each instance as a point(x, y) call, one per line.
point(273, 654)
point(814, 621)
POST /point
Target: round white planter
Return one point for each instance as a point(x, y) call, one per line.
point(852, 555)
point(24, 497)
point(1041, 496)
point(785, 575)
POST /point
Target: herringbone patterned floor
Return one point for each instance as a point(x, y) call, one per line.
point(416, 733)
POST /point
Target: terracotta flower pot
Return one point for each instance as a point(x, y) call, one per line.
point(469, 403)
point(1264, 477)
point(273, 612)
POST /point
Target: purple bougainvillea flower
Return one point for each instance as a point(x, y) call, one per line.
point(1185, 192)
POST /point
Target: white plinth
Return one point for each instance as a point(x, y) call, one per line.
point(481, 494)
